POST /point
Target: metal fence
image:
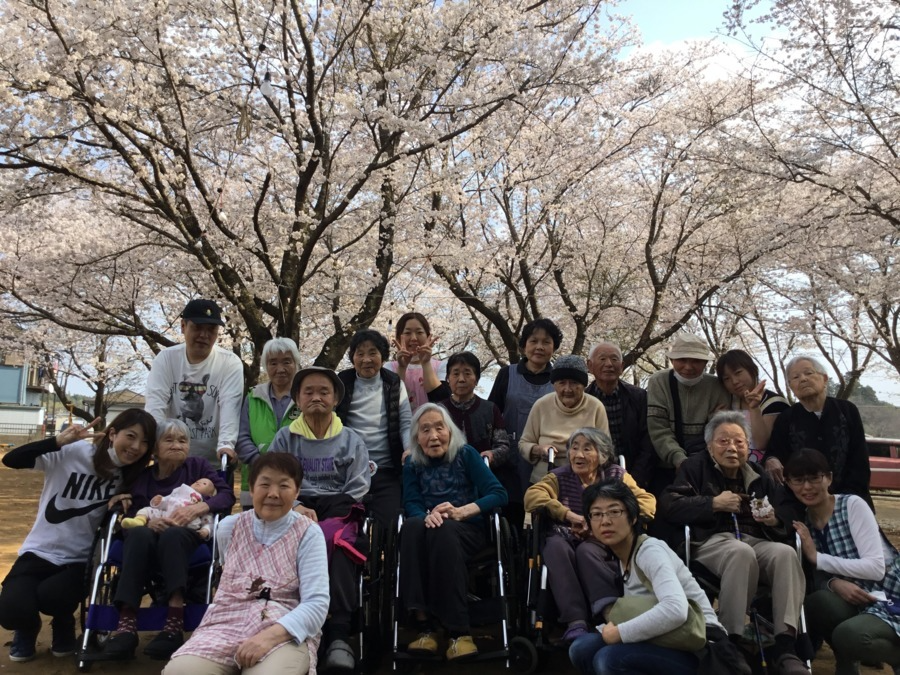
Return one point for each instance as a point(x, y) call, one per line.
point(26, 430)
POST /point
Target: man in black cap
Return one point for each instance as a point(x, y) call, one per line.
point(199, 383)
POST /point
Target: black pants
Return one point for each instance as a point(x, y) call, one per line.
point(146, 553)
point(35, 586)
point(385, 497)
point(433, 572)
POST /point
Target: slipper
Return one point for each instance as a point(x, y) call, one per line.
point(164, 645)
point(574, 633)
point(339, 656)
point(119, 647)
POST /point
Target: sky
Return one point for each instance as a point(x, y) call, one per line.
point(668, 21)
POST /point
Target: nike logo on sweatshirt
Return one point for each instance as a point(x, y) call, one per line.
point(55, 515)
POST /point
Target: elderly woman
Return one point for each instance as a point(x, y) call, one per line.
point(581, 573)
point(856, 568)
point(447, 489)
point(555, 416)
point(272, 598)
point(830, 425)
point(165, 545)
point(267, 407)
point(648, 569)
point(739, 525)
point(335, 479)
point(376, 406)
point(739, 375)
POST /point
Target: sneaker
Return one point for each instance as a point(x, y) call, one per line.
point(339, 656)
point(63, 642)
point(461, 648)
point(23, 647)
point(425, 644)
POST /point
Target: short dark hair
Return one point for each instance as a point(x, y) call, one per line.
point(373, 336)
point(612, 489)
point(402, 321)
point(280, 462)
point(103, 464)
point(545, 325)
point(806, 462)
point(465, 359)
point(734, 359)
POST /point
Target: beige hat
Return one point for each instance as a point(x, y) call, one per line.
point(687, 346)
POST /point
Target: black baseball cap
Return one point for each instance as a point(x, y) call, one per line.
point(203, 311)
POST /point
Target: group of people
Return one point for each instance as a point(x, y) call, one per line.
point(599, 463)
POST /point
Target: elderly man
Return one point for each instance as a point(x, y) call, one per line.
point(680, 401)
point(199, 383)
point(626, 410)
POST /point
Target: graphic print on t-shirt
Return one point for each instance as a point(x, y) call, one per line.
point(79, 488)
point(192, 401)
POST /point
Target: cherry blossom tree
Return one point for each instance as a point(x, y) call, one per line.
point(259, 154)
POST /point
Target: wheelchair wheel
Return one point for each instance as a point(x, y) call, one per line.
point(523, 656)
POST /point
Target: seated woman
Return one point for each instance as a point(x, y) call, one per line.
point(80, 478)
point(335, 479)
point(739, 375)
point(581, 571)
point(648, 567)
point(376, 406)
point(267, 407)
point(739, 525)
point(555, 416)
point(272, 598)
point(856, 568)
point(165, 545)
point(446, 490)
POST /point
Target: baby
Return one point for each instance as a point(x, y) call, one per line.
point(183, 495)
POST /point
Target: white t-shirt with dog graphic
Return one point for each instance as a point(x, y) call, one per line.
point(206, 396)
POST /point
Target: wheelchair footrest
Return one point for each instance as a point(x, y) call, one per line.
point(106, 617)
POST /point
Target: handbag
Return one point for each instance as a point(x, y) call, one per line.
point(688, 637)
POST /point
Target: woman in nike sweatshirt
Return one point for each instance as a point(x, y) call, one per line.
point(80, 481)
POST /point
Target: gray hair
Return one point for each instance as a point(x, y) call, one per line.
point(725, 417)
point(816, 364)
point(599, 439)
point(457, 437)
point(606, 343)
point(163, 427)
point(281, 345)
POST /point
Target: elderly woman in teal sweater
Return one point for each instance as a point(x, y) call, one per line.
point(447, 490)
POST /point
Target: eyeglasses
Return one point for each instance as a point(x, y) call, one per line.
point(728, 442)
point(798, 481)
point(612, 514)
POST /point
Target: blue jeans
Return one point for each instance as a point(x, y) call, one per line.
point(591, 656)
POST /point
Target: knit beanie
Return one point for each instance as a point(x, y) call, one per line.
point(571, 367)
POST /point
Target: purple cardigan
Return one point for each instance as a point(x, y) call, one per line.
point(148, 485)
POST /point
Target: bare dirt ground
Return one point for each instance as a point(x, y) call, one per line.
point(19, 491)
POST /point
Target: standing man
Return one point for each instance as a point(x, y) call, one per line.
point(680, 402)
point(626, 410)
point(199, 383)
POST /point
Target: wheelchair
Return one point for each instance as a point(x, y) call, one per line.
point(539, 611)
point(759, 610)
point(492, 599)
point(98, 614)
